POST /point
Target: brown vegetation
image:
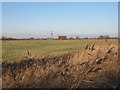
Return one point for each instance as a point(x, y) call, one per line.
point(94, 67)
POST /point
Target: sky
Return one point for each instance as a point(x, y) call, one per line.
point(38, 19)
point(0, 19)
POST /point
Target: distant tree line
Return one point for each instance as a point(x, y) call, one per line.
point(71, 38)
point(106, 37)
point(103, 37)
point(8, 38)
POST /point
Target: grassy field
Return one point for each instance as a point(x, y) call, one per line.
point(13, 50)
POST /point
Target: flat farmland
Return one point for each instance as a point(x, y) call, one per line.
point(14, 50)
point(87, 63)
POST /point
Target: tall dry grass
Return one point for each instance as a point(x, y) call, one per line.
point(94, 67)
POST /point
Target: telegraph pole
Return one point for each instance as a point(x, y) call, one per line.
point(51, 35)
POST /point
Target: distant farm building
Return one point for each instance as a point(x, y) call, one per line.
point(62, 37)
point(71, 38)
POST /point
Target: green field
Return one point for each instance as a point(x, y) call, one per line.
point(13, 50)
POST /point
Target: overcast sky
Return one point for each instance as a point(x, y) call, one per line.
point(38, 19)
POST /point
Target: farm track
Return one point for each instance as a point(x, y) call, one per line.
point(94, 67)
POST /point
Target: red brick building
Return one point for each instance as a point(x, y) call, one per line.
point(62, 37)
